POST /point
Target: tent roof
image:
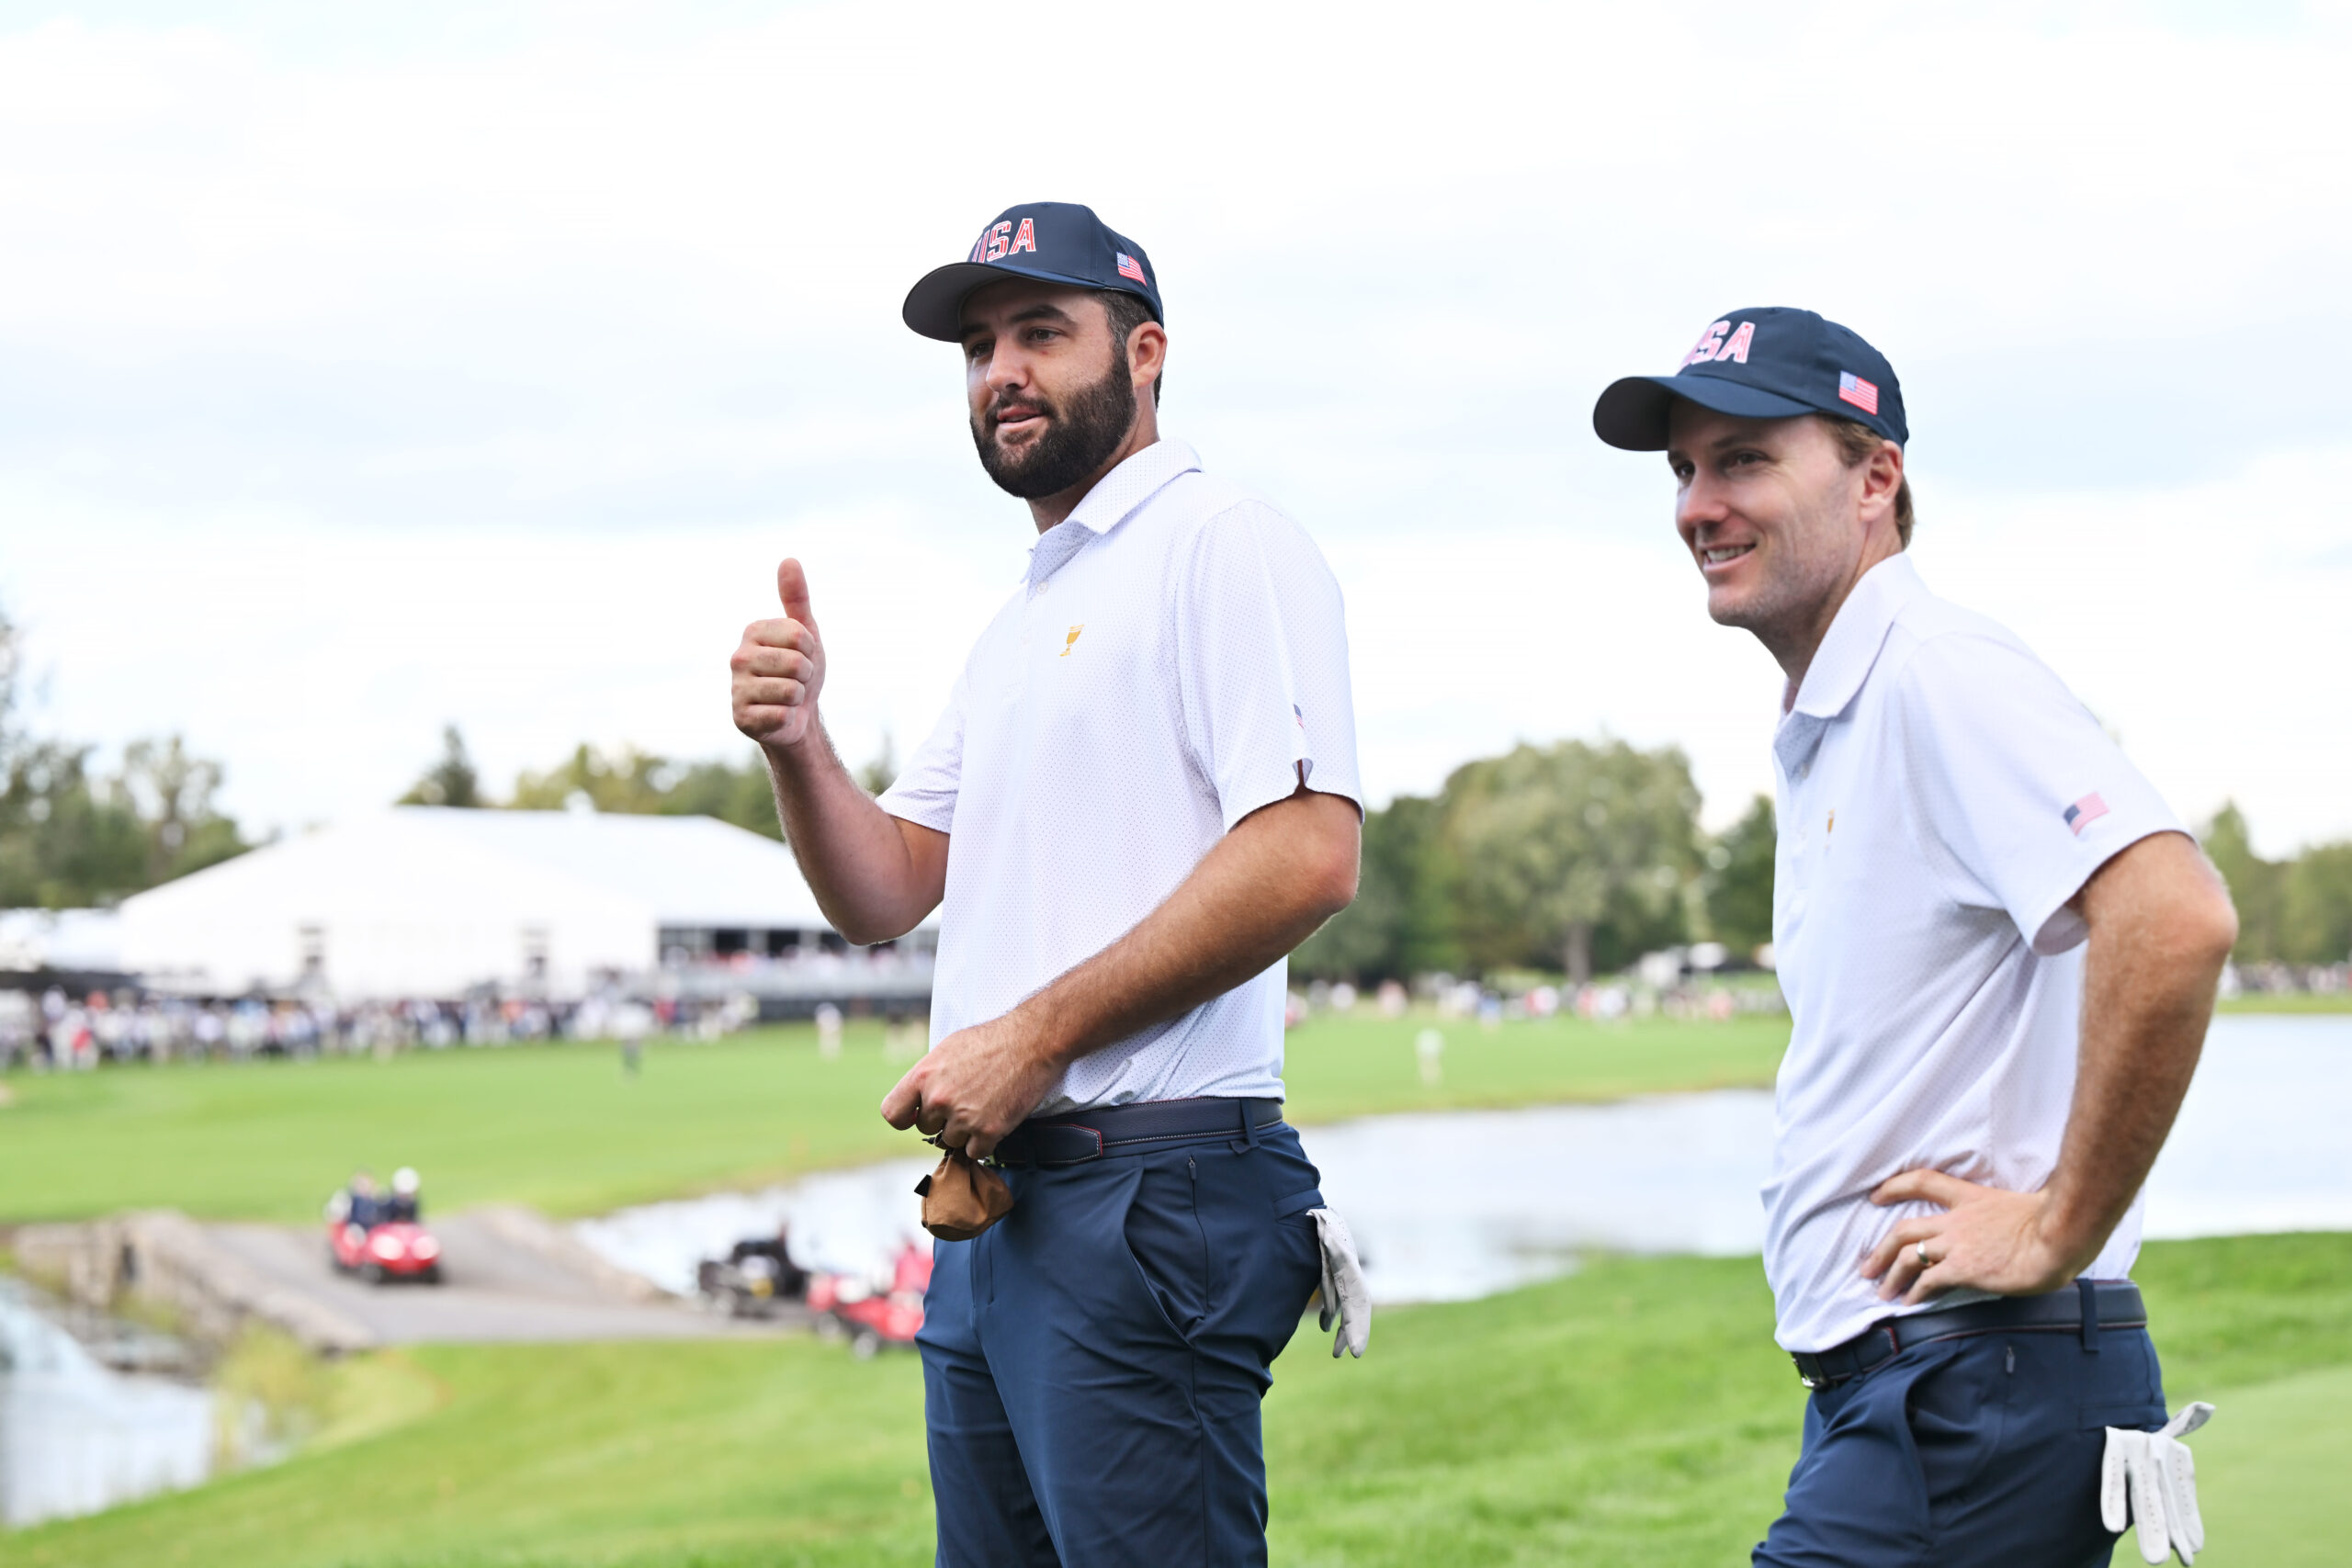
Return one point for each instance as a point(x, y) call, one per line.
point(678, 871)
point(690, 871)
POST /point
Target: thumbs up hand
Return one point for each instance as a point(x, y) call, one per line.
point(780, 667)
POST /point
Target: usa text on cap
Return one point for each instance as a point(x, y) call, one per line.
point(1054, 241)
point(1771, 363)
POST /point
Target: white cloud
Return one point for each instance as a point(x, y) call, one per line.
point(354, 378)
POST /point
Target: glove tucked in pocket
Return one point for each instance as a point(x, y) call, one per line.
point(962, 1198)
point(1346, 1298)
point(2150, 1481)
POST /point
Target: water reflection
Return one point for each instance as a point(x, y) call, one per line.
point(1452, 1205)
point(75, 1436)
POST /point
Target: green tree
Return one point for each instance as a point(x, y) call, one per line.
point(639, 782)
point(627, 781)
point(1739, 890)
point(1574, 851)
point(63, 843)
point(449, 781)
point(732, 793)
point(2316, 906)
point(1401, 921)
point(71, 837)
point(2256, 886)
point(170, 794)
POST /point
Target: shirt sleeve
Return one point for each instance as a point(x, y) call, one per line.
point(1261, 650)
point(924, 794)
point(2015, 782)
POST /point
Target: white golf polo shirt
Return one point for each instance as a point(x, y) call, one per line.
point(1942, 797)
point(1176, 658)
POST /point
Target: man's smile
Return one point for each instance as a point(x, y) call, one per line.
point(1713, 558)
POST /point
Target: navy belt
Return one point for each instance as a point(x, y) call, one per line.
point(1077, 1136)
point(2084, 1308)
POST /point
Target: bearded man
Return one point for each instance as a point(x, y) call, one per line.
point(1142, 795)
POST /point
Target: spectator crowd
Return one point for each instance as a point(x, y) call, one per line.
point(61, 1030)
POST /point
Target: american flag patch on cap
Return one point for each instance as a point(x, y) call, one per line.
point(2085, 812)
point(1130, 268)
point(1852, 388)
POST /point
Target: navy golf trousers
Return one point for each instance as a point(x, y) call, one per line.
point(1093, 1365)
point(1981, 1452)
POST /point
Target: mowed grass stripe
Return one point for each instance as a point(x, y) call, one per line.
point(1635, 1412)
point(560, 1126)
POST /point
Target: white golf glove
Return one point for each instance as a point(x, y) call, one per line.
point(2150, 1481)
point(1345, 1296)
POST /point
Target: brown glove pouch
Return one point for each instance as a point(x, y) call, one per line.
point(962, 1198)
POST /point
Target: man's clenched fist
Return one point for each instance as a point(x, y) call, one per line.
point(780, 667)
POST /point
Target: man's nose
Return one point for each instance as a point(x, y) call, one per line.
point(1008, 369)
point(1699, 503)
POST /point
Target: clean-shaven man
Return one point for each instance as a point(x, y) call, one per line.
point(1142, 795)
point(2000, 950)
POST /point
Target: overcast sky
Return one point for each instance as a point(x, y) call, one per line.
point(364, 367)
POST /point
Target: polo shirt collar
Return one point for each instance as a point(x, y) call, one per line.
point(1847, 655)
point(1114, 499)
point(1132, 483)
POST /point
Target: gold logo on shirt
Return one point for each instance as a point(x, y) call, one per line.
point(1071, 641)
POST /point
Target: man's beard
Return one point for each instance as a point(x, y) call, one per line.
point(1080, 436)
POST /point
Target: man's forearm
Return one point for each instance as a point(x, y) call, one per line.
point(2157, 944)
point(1261, 891)
point(856, 857)
point(1284, 870)
point(2160, 929)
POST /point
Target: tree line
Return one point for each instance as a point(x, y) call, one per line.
point(2293, 911)
point(626, 780)
point(1577, 858)
point(72, 836)
point(1574, 858)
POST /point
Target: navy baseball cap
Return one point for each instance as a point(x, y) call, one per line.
point(1055, 241)
point(1766, 364)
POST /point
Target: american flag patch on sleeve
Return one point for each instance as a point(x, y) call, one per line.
point(2085, 812)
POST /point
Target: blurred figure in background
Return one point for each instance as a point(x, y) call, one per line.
point(365, 1209)
point(403, 1206)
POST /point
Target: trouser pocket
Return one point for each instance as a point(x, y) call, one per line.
point(1165, 1242)
point(1956, 1413)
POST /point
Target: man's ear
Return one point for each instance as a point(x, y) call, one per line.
point(1147, 352)
point(1882, 474)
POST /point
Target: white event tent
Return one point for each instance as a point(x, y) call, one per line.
point(430, 901)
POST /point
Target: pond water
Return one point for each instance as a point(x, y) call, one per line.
point(76, 1437)
point(1457, 1205)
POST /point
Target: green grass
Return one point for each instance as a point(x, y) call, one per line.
point(558, 1126)
point(1634, 1413)
point(2291, 1002)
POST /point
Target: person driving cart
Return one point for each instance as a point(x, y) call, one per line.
point(365, 1208)
point(404, 1205)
